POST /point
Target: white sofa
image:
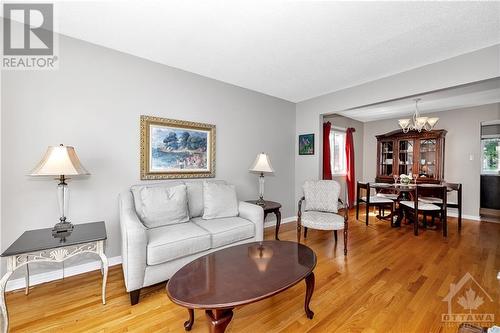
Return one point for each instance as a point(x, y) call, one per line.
point(153, 255)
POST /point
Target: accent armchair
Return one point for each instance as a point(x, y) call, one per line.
point(324, 210)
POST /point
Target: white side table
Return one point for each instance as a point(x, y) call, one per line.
point(39, 245)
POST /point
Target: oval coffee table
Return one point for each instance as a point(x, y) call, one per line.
point(238, 275)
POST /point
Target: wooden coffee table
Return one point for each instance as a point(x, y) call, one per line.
point(220, 281)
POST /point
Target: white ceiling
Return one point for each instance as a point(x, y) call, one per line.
point(294, 50)
point(480, 93)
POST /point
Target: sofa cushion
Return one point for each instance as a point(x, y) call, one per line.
point(322, 195)
point(195, 196)
point(227, 230)
point(158, 206)
point(219, 200)
point(175, 241)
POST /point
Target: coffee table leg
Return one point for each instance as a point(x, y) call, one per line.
point(309, 293)
point(189, 323)
point(219, 319)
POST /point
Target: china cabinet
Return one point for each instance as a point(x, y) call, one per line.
point(419, 154)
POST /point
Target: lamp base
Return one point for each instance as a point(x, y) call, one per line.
point(261, 202)
point(61, 228)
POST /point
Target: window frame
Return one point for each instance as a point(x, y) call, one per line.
point(489, 172)
point(342, 131)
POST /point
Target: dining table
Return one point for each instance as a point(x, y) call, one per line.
point(403, 192)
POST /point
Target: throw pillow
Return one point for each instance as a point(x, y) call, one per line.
point(219, 200)
point(159, 206)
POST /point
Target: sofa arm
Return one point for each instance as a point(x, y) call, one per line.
point(255, 214)
point(134, 243)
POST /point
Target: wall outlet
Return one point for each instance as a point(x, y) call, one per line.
point(471, 157)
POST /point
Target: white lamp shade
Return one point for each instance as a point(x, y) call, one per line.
point(404, 122)
point(432, 121)
point(59, 160)
point(262, 164)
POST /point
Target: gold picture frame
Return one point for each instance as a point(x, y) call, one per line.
point(174, 149)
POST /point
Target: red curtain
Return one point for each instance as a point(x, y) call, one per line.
point(349, 154)
point(327, 168)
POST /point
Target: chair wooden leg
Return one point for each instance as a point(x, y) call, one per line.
point(345, 240)
point(459, 217)
point(367, 213)
point(415, 223)
point(335, 235)
point(357, 210)
point(305, 232)
point(392, 213)
point(298, 231)
point(445, 224)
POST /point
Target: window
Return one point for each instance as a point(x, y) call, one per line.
point(490, 151)
point(337, 152)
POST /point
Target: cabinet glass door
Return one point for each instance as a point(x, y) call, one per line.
point(386, 157)
point(427, 161)
point(405, 157)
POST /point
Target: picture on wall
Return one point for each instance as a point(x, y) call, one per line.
point(306, 144)
point(176, 149)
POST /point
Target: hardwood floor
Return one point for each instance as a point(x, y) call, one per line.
point(391, 281)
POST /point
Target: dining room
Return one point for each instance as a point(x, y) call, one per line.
point(419, 157)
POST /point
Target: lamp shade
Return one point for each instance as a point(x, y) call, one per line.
point(262, 164)
point(59, 160)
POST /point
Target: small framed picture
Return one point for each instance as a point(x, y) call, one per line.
point(176, 149)
point(306, 144)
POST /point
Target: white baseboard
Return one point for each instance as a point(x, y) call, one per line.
point(58, 274)
point(272, 223)
point(468, 217)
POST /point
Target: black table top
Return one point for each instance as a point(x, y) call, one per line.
point(42, 239)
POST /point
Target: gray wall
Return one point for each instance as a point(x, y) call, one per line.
point(94, 101)
point(475, 66)
point(462, 141)
point(344, 122)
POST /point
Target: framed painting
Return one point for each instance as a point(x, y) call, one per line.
point(176, 149)
point(306, 144)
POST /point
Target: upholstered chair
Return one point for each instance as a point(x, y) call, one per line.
point(323, 209)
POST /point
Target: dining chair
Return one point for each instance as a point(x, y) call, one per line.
point(371, 200)
point(416, 206)
point(457, 187)
point(323, 209)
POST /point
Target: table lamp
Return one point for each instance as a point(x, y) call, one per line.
point(60, 161)
point(261, 165)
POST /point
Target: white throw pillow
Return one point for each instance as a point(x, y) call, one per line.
point(158, 206)
point(322, 195)
point(219, 200)
point(195, 196)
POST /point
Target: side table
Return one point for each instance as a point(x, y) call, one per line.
point(40, 246)
point(271, 207)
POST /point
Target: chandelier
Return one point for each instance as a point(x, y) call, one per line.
point(417, 123)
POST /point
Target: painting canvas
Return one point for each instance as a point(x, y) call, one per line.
point(306, 144)
point(176, 149)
